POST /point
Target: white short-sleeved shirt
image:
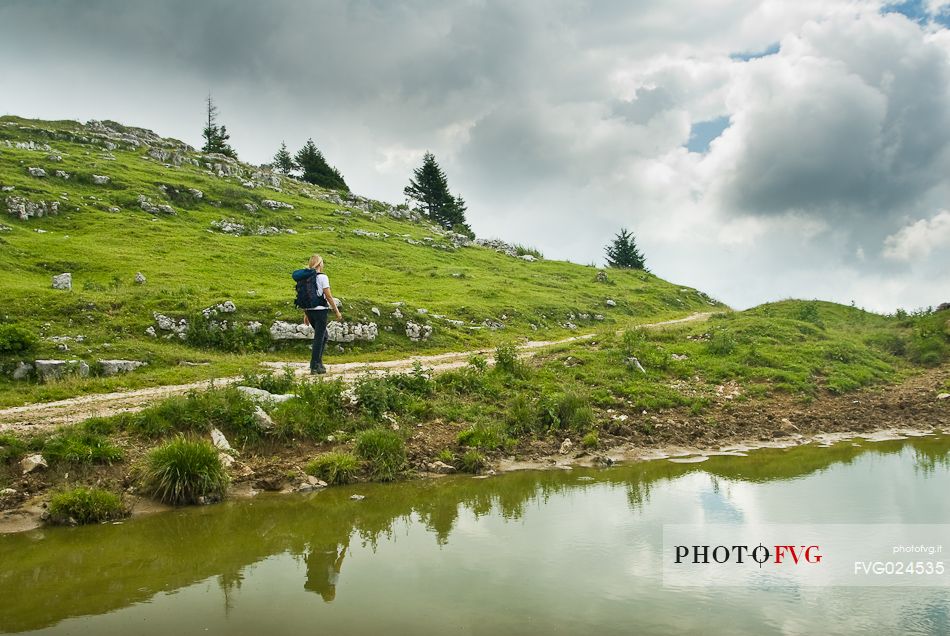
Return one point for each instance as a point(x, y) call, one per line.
point(323, 281)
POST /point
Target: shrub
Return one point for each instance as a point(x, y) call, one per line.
point(377, 395)
point(384, 451)
point(567, 410)
point(524, 250)
point(78, 446)
point(477, 363)
point(471, 461)
point(317, 411)
point(446, 456)
point(591, 440)
point(808, 312)
point(334, 468)
point(507, 362)
point(183, 471)
point(927, 349)
point(85, 505)
point(271, 382)
point(15, 340)
point(522, 415)
point(721, 343)
point(417, 382)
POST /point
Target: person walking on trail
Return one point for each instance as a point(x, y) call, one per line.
point(314, 297)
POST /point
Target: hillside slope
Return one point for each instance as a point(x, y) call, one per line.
point(104, 202)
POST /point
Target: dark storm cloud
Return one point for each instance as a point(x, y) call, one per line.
point(558, 120)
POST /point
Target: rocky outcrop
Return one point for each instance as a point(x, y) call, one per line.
point(36, 172)
point(140, 278)
point(350, 332)
point(270, 204)
point(115, 367)
point(281, 330)
point(63, 281)
point(24, 209)
point(179, 328)
point(53, 369)
point(101, 179)
point(260, 395)
point(147, 205)
point(33, 463)
point(417, 332)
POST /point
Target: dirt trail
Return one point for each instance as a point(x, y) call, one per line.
point(46, 415)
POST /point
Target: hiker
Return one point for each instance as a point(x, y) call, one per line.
point(314, 297)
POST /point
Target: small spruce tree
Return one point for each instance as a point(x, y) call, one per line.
point(316, 170)
point(429, 188)
point(622, 252)
point(283, 162)
point(216, 137)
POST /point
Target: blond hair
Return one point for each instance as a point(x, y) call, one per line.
point(315, 262)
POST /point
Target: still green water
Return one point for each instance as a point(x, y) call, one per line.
point(569, 552)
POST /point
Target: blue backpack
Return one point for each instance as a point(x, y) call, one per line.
point(308, 296)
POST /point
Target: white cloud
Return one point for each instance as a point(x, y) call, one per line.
point(917, 240)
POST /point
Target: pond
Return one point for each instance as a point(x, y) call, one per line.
point(540, 552)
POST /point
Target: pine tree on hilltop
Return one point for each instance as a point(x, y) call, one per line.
point(316, 170)
point(429, 188)
point(216, 137)
point(623, 253)
point(283, 162)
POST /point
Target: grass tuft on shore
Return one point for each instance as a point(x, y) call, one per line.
point(85, 505)
point(183, 471)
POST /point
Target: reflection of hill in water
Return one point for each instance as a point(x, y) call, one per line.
point(50, 575)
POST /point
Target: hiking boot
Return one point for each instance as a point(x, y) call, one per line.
point(319, 370)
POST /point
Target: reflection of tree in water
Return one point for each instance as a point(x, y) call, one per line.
point(324, 563)
point(928, 458)
point(229, 581)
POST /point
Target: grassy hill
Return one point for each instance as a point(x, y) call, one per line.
point(171, 213)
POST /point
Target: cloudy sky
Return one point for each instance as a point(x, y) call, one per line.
point(758, 149)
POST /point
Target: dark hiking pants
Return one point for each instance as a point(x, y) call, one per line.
point(318, 320)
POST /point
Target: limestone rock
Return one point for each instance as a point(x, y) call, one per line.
point(179, 328)
point(37, 172)
point(220, 441)
point(282, 330)
point(101, 179)
point(943, 396)
point(566, 446)
point(351, 332)
point(417, 332)
point(115, 367)
point(357, 497)
point(63, 281)
point(610, 302)
point(276, 205)
point(440, 468)
point(375, 311)
point(262, 419)
point(60, 174)
point(22, 370)
point(260, 395)
point(140, 278)
point(226, 460)
point(50, 369)
point(31, 463)
point(528, 257)
point(632, 361)
point(150, 331)
point(24, 209)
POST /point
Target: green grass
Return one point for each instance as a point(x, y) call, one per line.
point(384, 452)
point(80, 447)
point(189, 268)
point(183, 471)
point(471, 461)
point(334, 468)
point(85, 505)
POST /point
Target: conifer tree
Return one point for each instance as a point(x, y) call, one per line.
point(316, 170)
point(622, 252)
point(216, 137)
point(429, 188)
point(283, 162)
